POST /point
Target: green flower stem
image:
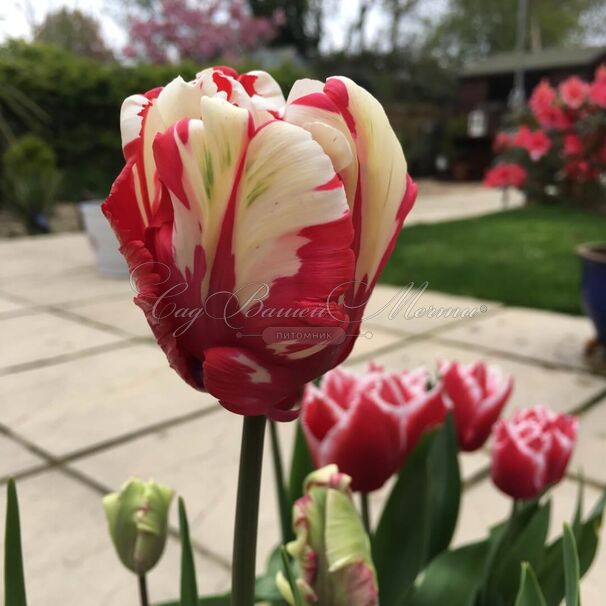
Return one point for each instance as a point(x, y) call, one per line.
point(365, 507)
point(247, 512)
point(283, 505)
point(143, 589)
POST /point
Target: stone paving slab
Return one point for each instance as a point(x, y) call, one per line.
point(119, 312)
point(71, 406)
point(541, 335)
point(68, 555)
point(81, 285)
point(14, 458)
point(373, 339)
point(44, 256)
point(200, 461)
point(43, 336)
point(590, 453)
point(8, 307)
point(416, 310)
point(562, 390)
point(483, 506)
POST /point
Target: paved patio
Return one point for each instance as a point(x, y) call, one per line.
point(88, 400)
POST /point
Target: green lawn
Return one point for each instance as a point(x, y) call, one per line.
point(520, 257)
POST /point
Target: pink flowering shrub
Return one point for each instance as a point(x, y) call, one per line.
point(558, 150)
point(182, 30)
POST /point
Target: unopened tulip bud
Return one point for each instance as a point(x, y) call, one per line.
point(332, 549)
point(137, 516)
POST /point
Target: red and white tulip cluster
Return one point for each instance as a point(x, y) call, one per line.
point(367, 424)
point(567, 124)
point(256, 227)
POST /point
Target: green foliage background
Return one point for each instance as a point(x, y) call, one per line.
point(82, 99)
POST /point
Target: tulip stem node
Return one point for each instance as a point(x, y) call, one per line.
point(143, 590)
point(365, 507)
point(247, 512)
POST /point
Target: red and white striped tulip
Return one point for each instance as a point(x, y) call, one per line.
point(532, 450)
point(477, 394)
point(234, 202)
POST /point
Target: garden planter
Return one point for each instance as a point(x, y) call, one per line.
point(110, 262)
point(593, 285)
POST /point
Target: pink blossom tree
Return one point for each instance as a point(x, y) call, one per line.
point(178, 30)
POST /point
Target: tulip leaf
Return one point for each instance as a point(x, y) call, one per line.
point(189, 586)
point(452, 577)
point(301, 466)
point(578, 512)
point(14, 579)
point(551, 571)
point(530, 593)
point(444, 488)
point(571, 568)
point(521, 540)
point(401, 539)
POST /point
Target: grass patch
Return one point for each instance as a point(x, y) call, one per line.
point(520, 257)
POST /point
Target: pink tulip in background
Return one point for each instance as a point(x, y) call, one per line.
point(244, 216)
point(477, 394)
point(531, 451)
point(367, 424)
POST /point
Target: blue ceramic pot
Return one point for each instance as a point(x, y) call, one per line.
point(593, 285)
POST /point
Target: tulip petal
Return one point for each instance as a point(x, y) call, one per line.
point(246, 384)
point(319, 415)
point(564, 430)
point(382, 174)
point(367, 444)
point(377, 184)
point(517, 470)
point(342, 386)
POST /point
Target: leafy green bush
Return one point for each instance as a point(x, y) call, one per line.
point(30, 181)
point(82, 99)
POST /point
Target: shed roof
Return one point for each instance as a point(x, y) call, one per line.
point(503, 63)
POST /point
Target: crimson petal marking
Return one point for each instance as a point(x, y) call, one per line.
point(261, 83)
point(127, 224)
point(246, 384)
point(121, 209)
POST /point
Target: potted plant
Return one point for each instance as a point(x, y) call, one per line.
point(593, 285)
point(30, 182)
point(110, 262)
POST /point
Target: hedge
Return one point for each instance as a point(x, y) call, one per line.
point(82, 101)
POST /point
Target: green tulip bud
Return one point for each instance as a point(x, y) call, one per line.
point(138, 518)
point(331, 549)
